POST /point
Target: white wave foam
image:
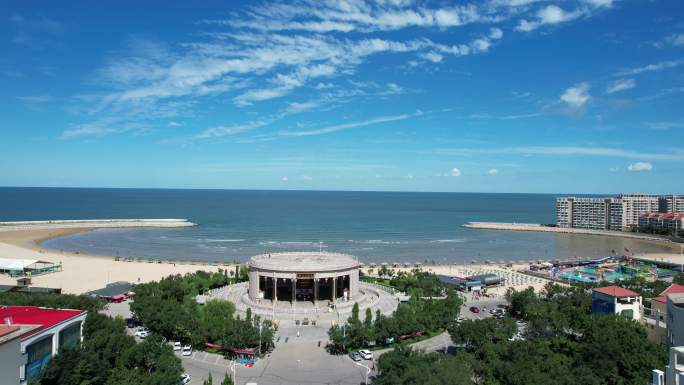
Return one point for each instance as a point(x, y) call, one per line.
point(223, 240)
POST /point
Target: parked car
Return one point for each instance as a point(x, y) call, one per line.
point(142, 333)
point(187, 350)
point(366, 354)
point(389, 340)
point(474, 309)
point(355, 356)
point(185, 378)
point(177, 346)
point(305, 321)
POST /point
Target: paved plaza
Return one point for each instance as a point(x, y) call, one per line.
point(288, 313)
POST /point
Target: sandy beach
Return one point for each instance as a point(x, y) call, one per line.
point(80, 272)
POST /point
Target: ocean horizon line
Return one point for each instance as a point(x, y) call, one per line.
point(324, 190)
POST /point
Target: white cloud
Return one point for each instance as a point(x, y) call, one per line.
point(676, 39)
point(324, 86)
point(284, 179)
point(651, 67)
point(306, 178)
point(662, 126)
point(493, 172)
point(495, 33)
point(600, 3)
point(551, 14)
point(640, 166)
point(576, 96)
point(432, 56)
point(614, 169)
point(219, 131)
point(246, 58)
point(620, 85)
point(455, 172)
point(347, 16)
point(346, 126)
point(564, 151)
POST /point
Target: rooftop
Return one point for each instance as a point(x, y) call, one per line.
point(673, 289)
point(616, 291)
point(31, 315)
point(304, 261)
point(663, 216)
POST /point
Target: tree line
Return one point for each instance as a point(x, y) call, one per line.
point(564, 344)
point(422, 314)
point(169, 307)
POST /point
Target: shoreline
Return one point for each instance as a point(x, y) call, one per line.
point(677, 248)
point(82, 273)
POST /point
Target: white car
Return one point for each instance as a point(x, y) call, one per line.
point(187, 350)
point(142, 333)
point(177, 346)
point(366, 354)
point(185, 378)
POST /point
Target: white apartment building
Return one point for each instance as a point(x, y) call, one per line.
point(672, 204)
point(633, 205)
point(620, 213)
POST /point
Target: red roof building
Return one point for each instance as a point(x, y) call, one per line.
point(616, 291)
point(30, 336)
point(32, 315)
point(673, 289)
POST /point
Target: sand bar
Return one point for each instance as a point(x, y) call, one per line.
point(565, 230)
point(82, 273)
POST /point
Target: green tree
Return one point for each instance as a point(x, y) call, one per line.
point(227, 380)
point(209, 380)
point(403, 366)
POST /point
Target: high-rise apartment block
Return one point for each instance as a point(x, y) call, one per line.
point(619, 213)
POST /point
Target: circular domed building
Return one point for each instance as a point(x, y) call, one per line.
point(303, 276)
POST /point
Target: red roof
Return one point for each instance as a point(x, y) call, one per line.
point(673, 289)
point(616, 291)
point(32, 315)
point(663, 216)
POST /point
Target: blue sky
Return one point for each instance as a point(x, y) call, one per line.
point(576, 96)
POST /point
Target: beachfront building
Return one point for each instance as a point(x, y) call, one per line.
point(674, 371)
point(671, 204)
point(584, 213)
point(303, 276)
point(30, 336)
point(670, 222)
point(675, 319)
point(474, 283)
point(655, 314)
point(619, 213)
point(616, 300)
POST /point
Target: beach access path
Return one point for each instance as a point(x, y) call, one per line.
point(82, 273)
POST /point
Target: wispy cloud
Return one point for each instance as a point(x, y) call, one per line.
point(35, 32)
point(620, 85)
point(564, 151)
point(350, 16)
point(346, 126)
point(269, 51)
point(651, 67)
point(662, 126)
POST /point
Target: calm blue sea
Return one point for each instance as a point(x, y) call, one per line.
point(375, 226)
